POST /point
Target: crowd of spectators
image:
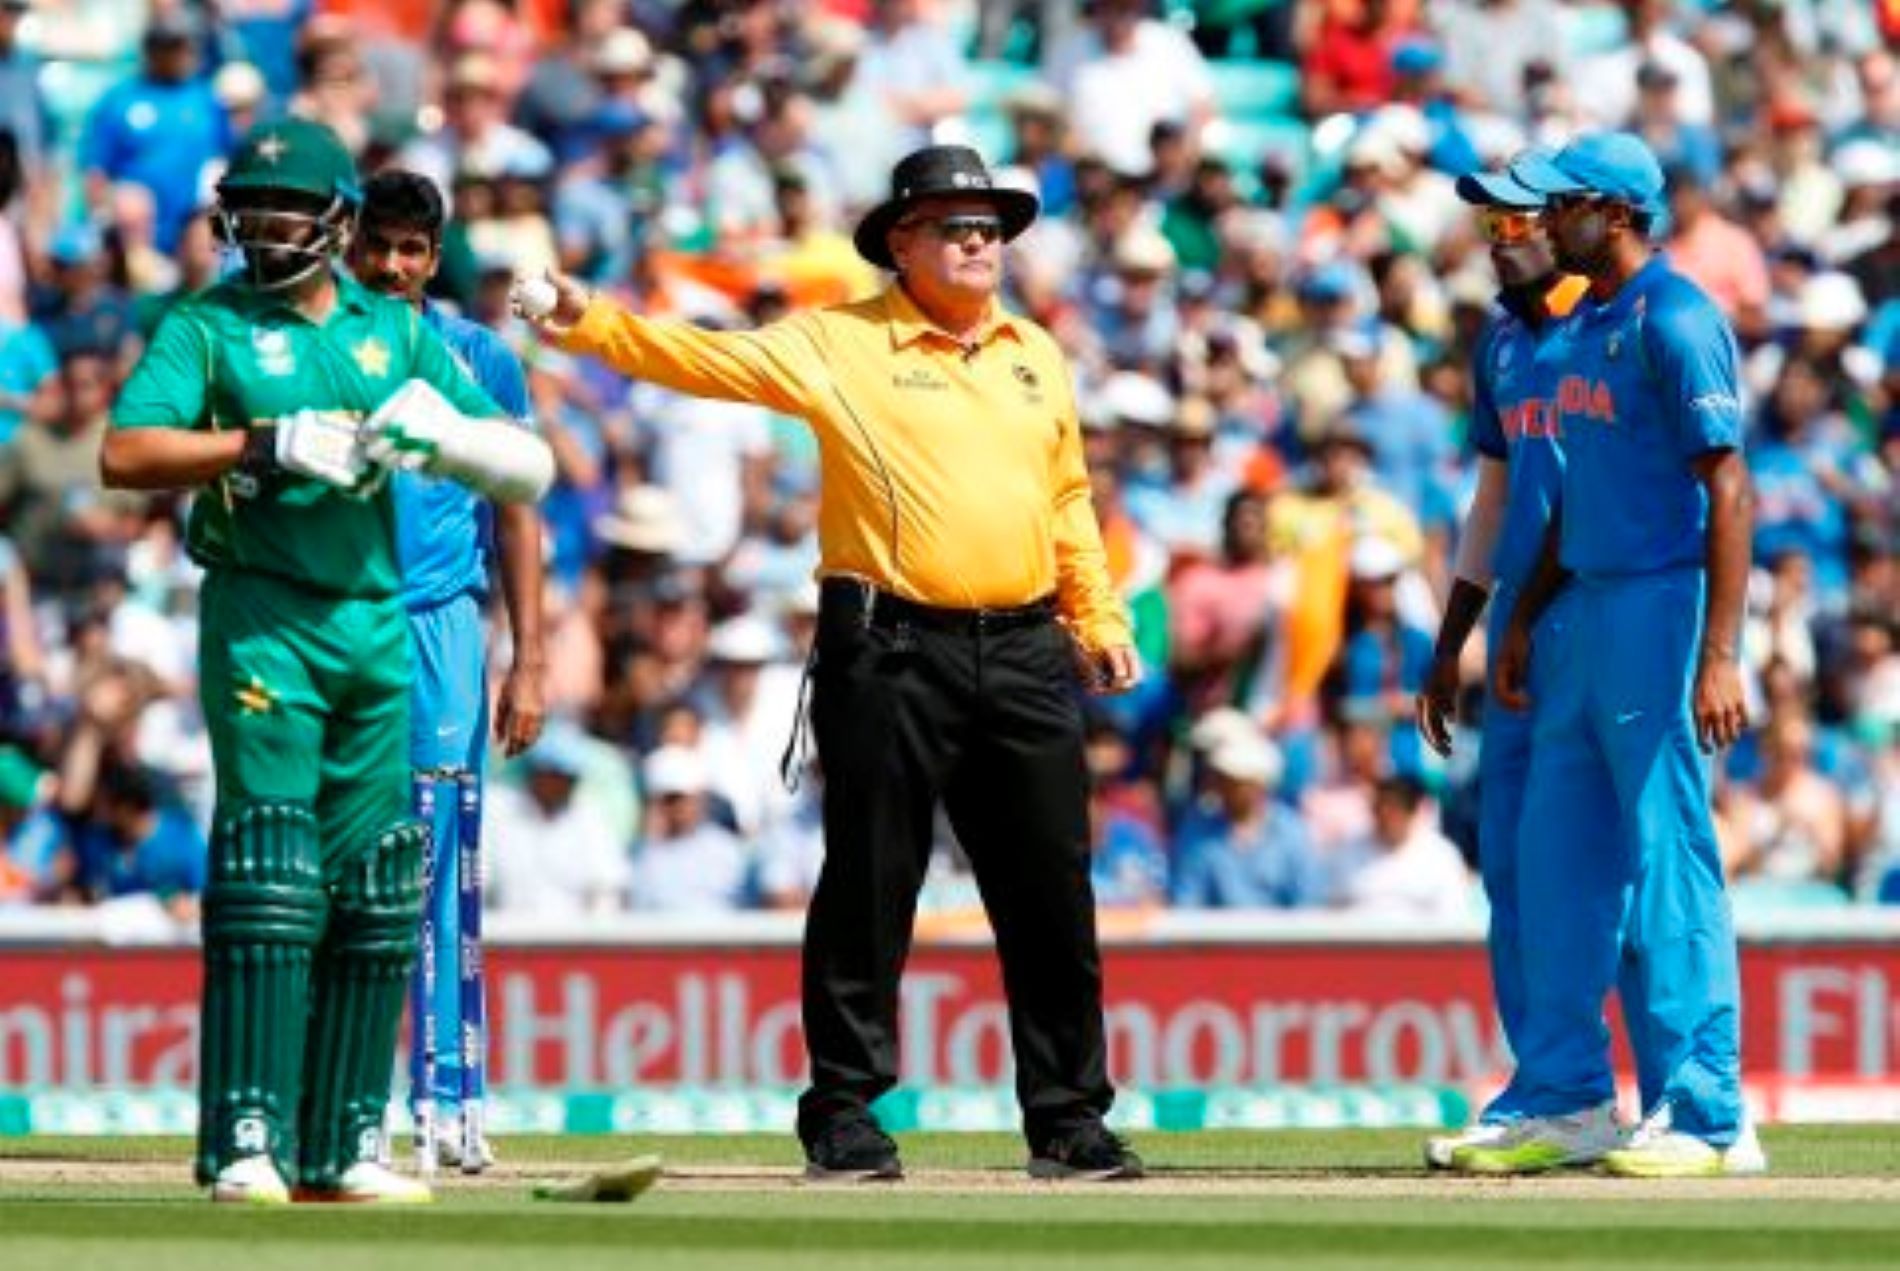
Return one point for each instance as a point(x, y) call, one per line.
point(1251, 250)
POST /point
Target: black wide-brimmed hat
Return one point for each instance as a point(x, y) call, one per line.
point(940, 172)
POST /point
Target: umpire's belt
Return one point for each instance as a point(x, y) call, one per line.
point(876, 607)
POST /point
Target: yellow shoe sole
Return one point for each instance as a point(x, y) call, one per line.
point(1636, 1165)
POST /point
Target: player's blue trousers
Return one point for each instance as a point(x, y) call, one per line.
point(1504, 764)
point(448, 728)
point(1619, 875)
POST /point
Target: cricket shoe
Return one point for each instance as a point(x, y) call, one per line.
point(250, 1180)
point(1440, 1148)
point(1536, 1145)
point(369, 1183)
point(448, 1148)
point(852, 1150)
point(1657, 1150)
point(1089, 1153)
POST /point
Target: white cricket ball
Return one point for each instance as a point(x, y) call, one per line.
point(536, 297)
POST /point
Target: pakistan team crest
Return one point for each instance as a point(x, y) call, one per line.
point(271, 347)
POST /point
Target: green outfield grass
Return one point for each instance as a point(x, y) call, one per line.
point(1829, 1205)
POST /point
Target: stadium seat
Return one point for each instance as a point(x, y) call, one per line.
point(1590, 29)
point(70, 88)
point(1244, 142)
point(1255, 88)
point(991, 82)
point(987, 130)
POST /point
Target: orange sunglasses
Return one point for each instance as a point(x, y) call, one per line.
point(1506, 226)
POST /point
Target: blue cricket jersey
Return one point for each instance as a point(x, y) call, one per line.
point(1650, 385)
point(1514, 420)
point(444, 531)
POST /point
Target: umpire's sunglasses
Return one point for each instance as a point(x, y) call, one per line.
point(1506, 226)
point(958, 227)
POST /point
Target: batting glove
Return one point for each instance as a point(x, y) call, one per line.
point(324, 446)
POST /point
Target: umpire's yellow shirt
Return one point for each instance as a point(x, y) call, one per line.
point(952, 477)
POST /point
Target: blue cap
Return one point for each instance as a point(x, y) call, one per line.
point(1416, 56)
point(75, 245)
point(1615, 165)
point(1506, 188)
point(562, 749)
point(1334, 280)
point(618, 118)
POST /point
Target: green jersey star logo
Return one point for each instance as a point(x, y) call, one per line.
point(256, 698)
point(372, 357)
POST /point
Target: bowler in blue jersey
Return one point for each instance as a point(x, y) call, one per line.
point(1652, 535)
point(1514, 368)
point(448, 539)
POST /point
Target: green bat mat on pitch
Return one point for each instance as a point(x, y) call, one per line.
point(616, 1184)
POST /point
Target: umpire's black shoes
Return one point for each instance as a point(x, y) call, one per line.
point(1088, 1153)
point(852, 1150)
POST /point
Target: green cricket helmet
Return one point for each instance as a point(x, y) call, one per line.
point(288, 201)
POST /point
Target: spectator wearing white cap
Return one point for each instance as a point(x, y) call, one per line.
point(550, 853)
point(1132, 304)
point(1869, 170)
point(746, 696)
point(1181, 508)
point(1240, 847)
point(686, 863)
point(241, 90)
point(1385, 658)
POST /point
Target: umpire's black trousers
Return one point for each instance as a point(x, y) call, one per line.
point(911, 705)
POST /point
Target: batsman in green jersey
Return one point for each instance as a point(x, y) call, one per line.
point(283, 396)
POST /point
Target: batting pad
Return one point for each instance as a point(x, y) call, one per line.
point(359, 982)
point(263, 915)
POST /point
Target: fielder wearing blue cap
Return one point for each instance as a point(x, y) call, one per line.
point(1515, 369)
point(1638, 684)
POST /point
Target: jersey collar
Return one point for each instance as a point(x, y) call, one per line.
point(350, 294)
point(1632, 292)
point(909, 325)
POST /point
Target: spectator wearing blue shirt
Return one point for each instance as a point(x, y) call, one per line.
point(1809, 473)
point(159, 129)
point(1385, 660)
point(1240, 848)
point(1410, 431)
point(135, 843)
point(79, 310)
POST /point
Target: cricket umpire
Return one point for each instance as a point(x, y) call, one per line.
point(283, 396)
point(963, 584)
